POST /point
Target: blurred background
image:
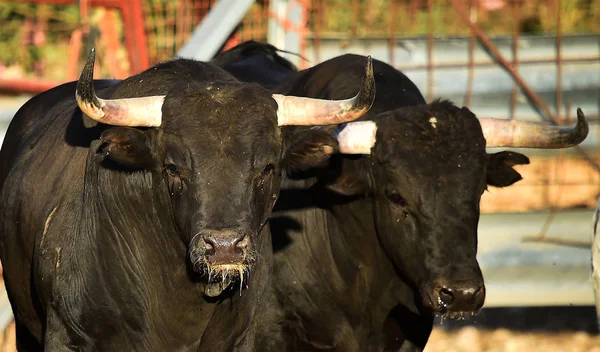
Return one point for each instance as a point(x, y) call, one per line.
point(536, 60)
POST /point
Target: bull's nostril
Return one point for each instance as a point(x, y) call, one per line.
point(446, 296)
point(209, 246)
point(241, 243)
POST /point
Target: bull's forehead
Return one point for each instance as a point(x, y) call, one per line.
point(438, 133)
point(436, 150)
point(224, 118)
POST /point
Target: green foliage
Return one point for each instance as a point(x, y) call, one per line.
point(169, 22)
point(348, 17)
point(61, 21)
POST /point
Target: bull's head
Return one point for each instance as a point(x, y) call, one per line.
point(426, 174)
point(218, 151)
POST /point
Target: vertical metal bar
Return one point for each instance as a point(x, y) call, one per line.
point(355, 15)
point(392, 39)
point(319, 8)
point(499, 58)
point(369, 13)
point(430, 90)
point(305, 10)
point(471, 72)
point(135, 36)
point(515, 53)
point(181, 7)
point(559, 92)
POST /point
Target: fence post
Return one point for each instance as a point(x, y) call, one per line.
point(275, 30)
point(596, 260)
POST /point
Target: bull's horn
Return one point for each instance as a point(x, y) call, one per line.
point(356, 137)
point(520, 134)
point(311, 112)
point(134, 112)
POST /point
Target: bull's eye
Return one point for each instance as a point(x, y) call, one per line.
point(174, 181)
point(172, 170)
point(264, 175)
point(397, 199)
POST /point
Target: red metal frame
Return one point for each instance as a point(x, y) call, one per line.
point(136, 41)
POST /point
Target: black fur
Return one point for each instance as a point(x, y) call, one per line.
point(353, 273)
point(255, 62)
point(96, 222)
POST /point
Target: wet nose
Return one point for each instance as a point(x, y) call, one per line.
point(225, 248)
point(461, 297)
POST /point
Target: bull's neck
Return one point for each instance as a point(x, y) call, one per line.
point(356, 226)
point(136, 260)
point(339, 234)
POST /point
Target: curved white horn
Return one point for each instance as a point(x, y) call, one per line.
point(299, 111)
point(133, 112)
point(521, 134)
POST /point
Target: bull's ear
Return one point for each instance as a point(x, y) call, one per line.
point(128, 147)
point(347, 176)
point(348, 184)
point(500, 172)
point(309, 149)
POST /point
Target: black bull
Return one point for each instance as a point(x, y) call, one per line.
point(367, 248)
point(117, 237)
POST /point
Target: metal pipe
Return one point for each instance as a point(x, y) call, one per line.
point(471, 64)
point(515, 53)
point(392, 40)
point(539, 102)
point(490, 64)
point(27, 85)
point(135, 33)
point(430, 90)
point(559, 96)
point(502, 61)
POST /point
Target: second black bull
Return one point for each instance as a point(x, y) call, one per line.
point(368, 247)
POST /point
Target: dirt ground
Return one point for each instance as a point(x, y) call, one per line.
point(467, 339)
point(470, 339)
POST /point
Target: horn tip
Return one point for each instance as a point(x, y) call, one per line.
point(369, 66)
point(84, 91)
point(91, 57)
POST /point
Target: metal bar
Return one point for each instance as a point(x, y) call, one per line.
point(515, 53)
point(214, 29)
point(135, 36)
point(489, 64)
point(502, 61)
point(539, 102)
point(317, 30)
point(430, 90)
point(596, 260)
point(392, 39)
point(93, 3)
point(24, 85)
point(181, 12)
point(355, 11)
point(471, 64)
point(559, 96)
point(304, 10)
point(73, 54)
point(133, 16)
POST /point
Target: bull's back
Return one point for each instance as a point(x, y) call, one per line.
point(339, 78)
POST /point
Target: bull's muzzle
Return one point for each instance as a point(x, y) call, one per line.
point(225, 247)
point(455, 297)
